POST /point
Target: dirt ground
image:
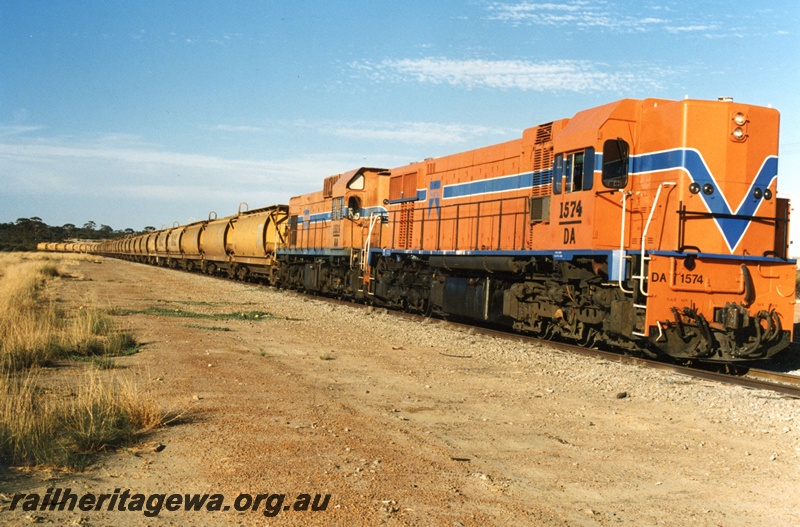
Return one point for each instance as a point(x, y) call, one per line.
point(404, 423)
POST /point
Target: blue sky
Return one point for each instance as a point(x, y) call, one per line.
point(150, 112)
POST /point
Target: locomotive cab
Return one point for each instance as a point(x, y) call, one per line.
point(702, 241)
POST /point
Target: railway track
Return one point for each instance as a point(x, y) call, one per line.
point(773, 377)
point(757, 379)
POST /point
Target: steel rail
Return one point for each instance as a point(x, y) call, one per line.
point(788, 385)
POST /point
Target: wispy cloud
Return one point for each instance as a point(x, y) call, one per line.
point(129, 182)
point(11, 129)
point(244, 129)
point(132, 157)
point(576, 13)
point(701, 28)
point(410, 132)
point(584, 15)
point(122, 174)
point(561, 75)
point(388, 132)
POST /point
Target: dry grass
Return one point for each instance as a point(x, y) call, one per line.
point(61, 430)
point(45, 425)
point(35, 331)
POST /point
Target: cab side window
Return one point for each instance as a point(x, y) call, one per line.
point(576, 183)
point(558, 173)
point(357, 183)
point(615, 163)
point(573, 172)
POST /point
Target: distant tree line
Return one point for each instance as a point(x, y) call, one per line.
point(25, 233)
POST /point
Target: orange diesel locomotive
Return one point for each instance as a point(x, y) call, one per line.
point(651, 225)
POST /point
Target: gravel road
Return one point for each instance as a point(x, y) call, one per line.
point(408, 423)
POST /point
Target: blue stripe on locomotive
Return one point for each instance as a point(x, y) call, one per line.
point(365, 212)
point(498, 184)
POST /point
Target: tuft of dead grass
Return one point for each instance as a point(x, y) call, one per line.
point(35, 331)
point(63, 430)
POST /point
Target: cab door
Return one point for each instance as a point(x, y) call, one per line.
point(613, 196)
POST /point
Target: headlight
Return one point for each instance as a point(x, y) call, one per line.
point(738, 133)
point(739, 118)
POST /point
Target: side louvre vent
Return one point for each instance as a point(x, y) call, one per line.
point(540, 209)
point(542, 158)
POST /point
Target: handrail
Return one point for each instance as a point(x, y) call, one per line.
point(720, 215)
point(625, 194)
point(373, 219)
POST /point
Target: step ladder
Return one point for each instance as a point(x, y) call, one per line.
point(364, 257)
point(639, 310)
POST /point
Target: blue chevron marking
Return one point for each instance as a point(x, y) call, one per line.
point(692, 162)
